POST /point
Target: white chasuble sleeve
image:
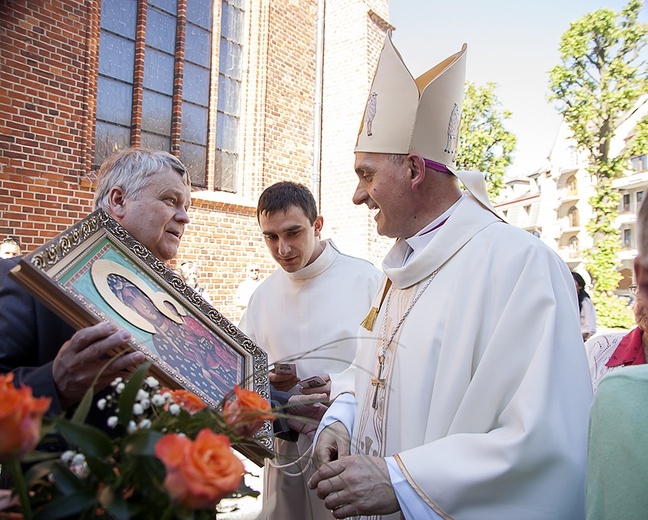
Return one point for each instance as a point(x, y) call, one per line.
point(485, 399)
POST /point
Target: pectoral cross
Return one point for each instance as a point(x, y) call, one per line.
point(378, 382)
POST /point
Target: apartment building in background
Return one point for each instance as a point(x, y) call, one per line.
point(245, 92)
point(553, 202)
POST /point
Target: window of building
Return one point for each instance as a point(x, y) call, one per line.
point(639, 199)
point(166, 105)
point(572, 216)
point(627, 238)
point(527, 209)
point(229, 92)
point(625, 202)
point(574, 247)
point(572, 154)
point(639, 163)
point(572, 185)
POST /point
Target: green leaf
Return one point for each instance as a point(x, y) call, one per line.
point(128, 394)
point(38, 472)
point(68, 506)
point(114, 503)
point(66, 481)
point(90, 440)
point(81, 413)
point(142, 442)
point(102, 470)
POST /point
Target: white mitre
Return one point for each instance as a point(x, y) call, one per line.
point(423, 115)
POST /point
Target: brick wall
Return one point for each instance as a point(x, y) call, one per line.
point(48, 68)
point(43, 96)
point(355, 32)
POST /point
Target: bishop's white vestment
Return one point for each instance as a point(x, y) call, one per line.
point(310, 318)
point(484, 394)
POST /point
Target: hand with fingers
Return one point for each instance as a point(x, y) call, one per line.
point(355, 485)
point(324, 389)
point(85, 355)
point(332, 444)
point(305, 412)
point(283, 382)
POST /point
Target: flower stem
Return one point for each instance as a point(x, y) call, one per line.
point(19, 480)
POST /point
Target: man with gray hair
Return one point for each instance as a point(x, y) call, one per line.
point(148, 193)
point(617, 461)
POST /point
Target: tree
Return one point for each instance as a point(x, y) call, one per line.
point(598, 85)
point(485, 145)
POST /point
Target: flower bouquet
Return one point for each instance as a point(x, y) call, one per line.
point(163, 455)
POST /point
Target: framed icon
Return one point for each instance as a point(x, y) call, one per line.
point(96, 271)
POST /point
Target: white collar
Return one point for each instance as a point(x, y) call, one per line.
point(319, 265)
point(418, 242)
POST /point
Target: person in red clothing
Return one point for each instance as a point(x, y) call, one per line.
point(608, 352)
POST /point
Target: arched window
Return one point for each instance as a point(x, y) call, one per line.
point(572, 214)
point(572, 185)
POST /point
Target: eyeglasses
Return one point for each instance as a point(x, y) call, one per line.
point(634, 289)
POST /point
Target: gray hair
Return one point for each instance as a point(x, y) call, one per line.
point(131, 169)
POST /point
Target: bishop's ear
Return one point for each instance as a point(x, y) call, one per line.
point(416, 165)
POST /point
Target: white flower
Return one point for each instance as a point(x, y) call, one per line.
point(112, 421)
point(158, 400)
point(137, 409)
point(144, 424)
point(174, 409)
point(141, 395)
point(152, 382)
point(79, 458)
point(145, 403)
point(131, 427)
point(120, 388)
point(66, 456)
point(81, 471)
point(116, 381)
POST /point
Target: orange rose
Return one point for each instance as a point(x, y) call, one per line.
point(199, 473)
point(186, 400)
point(246, 414)
point(20, 419)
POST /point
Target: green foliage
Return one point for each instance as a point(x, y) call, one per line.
point(597, 86)
point(485, 145)
point(639, 143)
point(119, 476)
point(612, 312)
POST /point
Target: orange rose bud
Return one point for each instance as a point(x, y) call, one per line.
point(186, 400)
point(245, 415)
point(21, 415)
point(199, 473)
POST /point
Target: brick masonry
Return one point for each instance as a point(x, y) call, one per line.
point(48, 73)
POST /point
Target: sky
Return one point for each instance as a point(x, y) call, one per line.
point(512, 43)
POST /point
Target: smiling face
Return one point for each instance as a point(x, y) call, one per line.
point(291, 239)
point(157, 215)
point(382, 186)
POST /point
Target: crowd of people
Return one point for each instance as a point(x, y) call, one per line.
point(453, 384)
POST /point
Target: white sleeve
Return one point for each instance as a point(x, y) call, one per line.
point(588, 317)
point(412, 505)
point(343, 409)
